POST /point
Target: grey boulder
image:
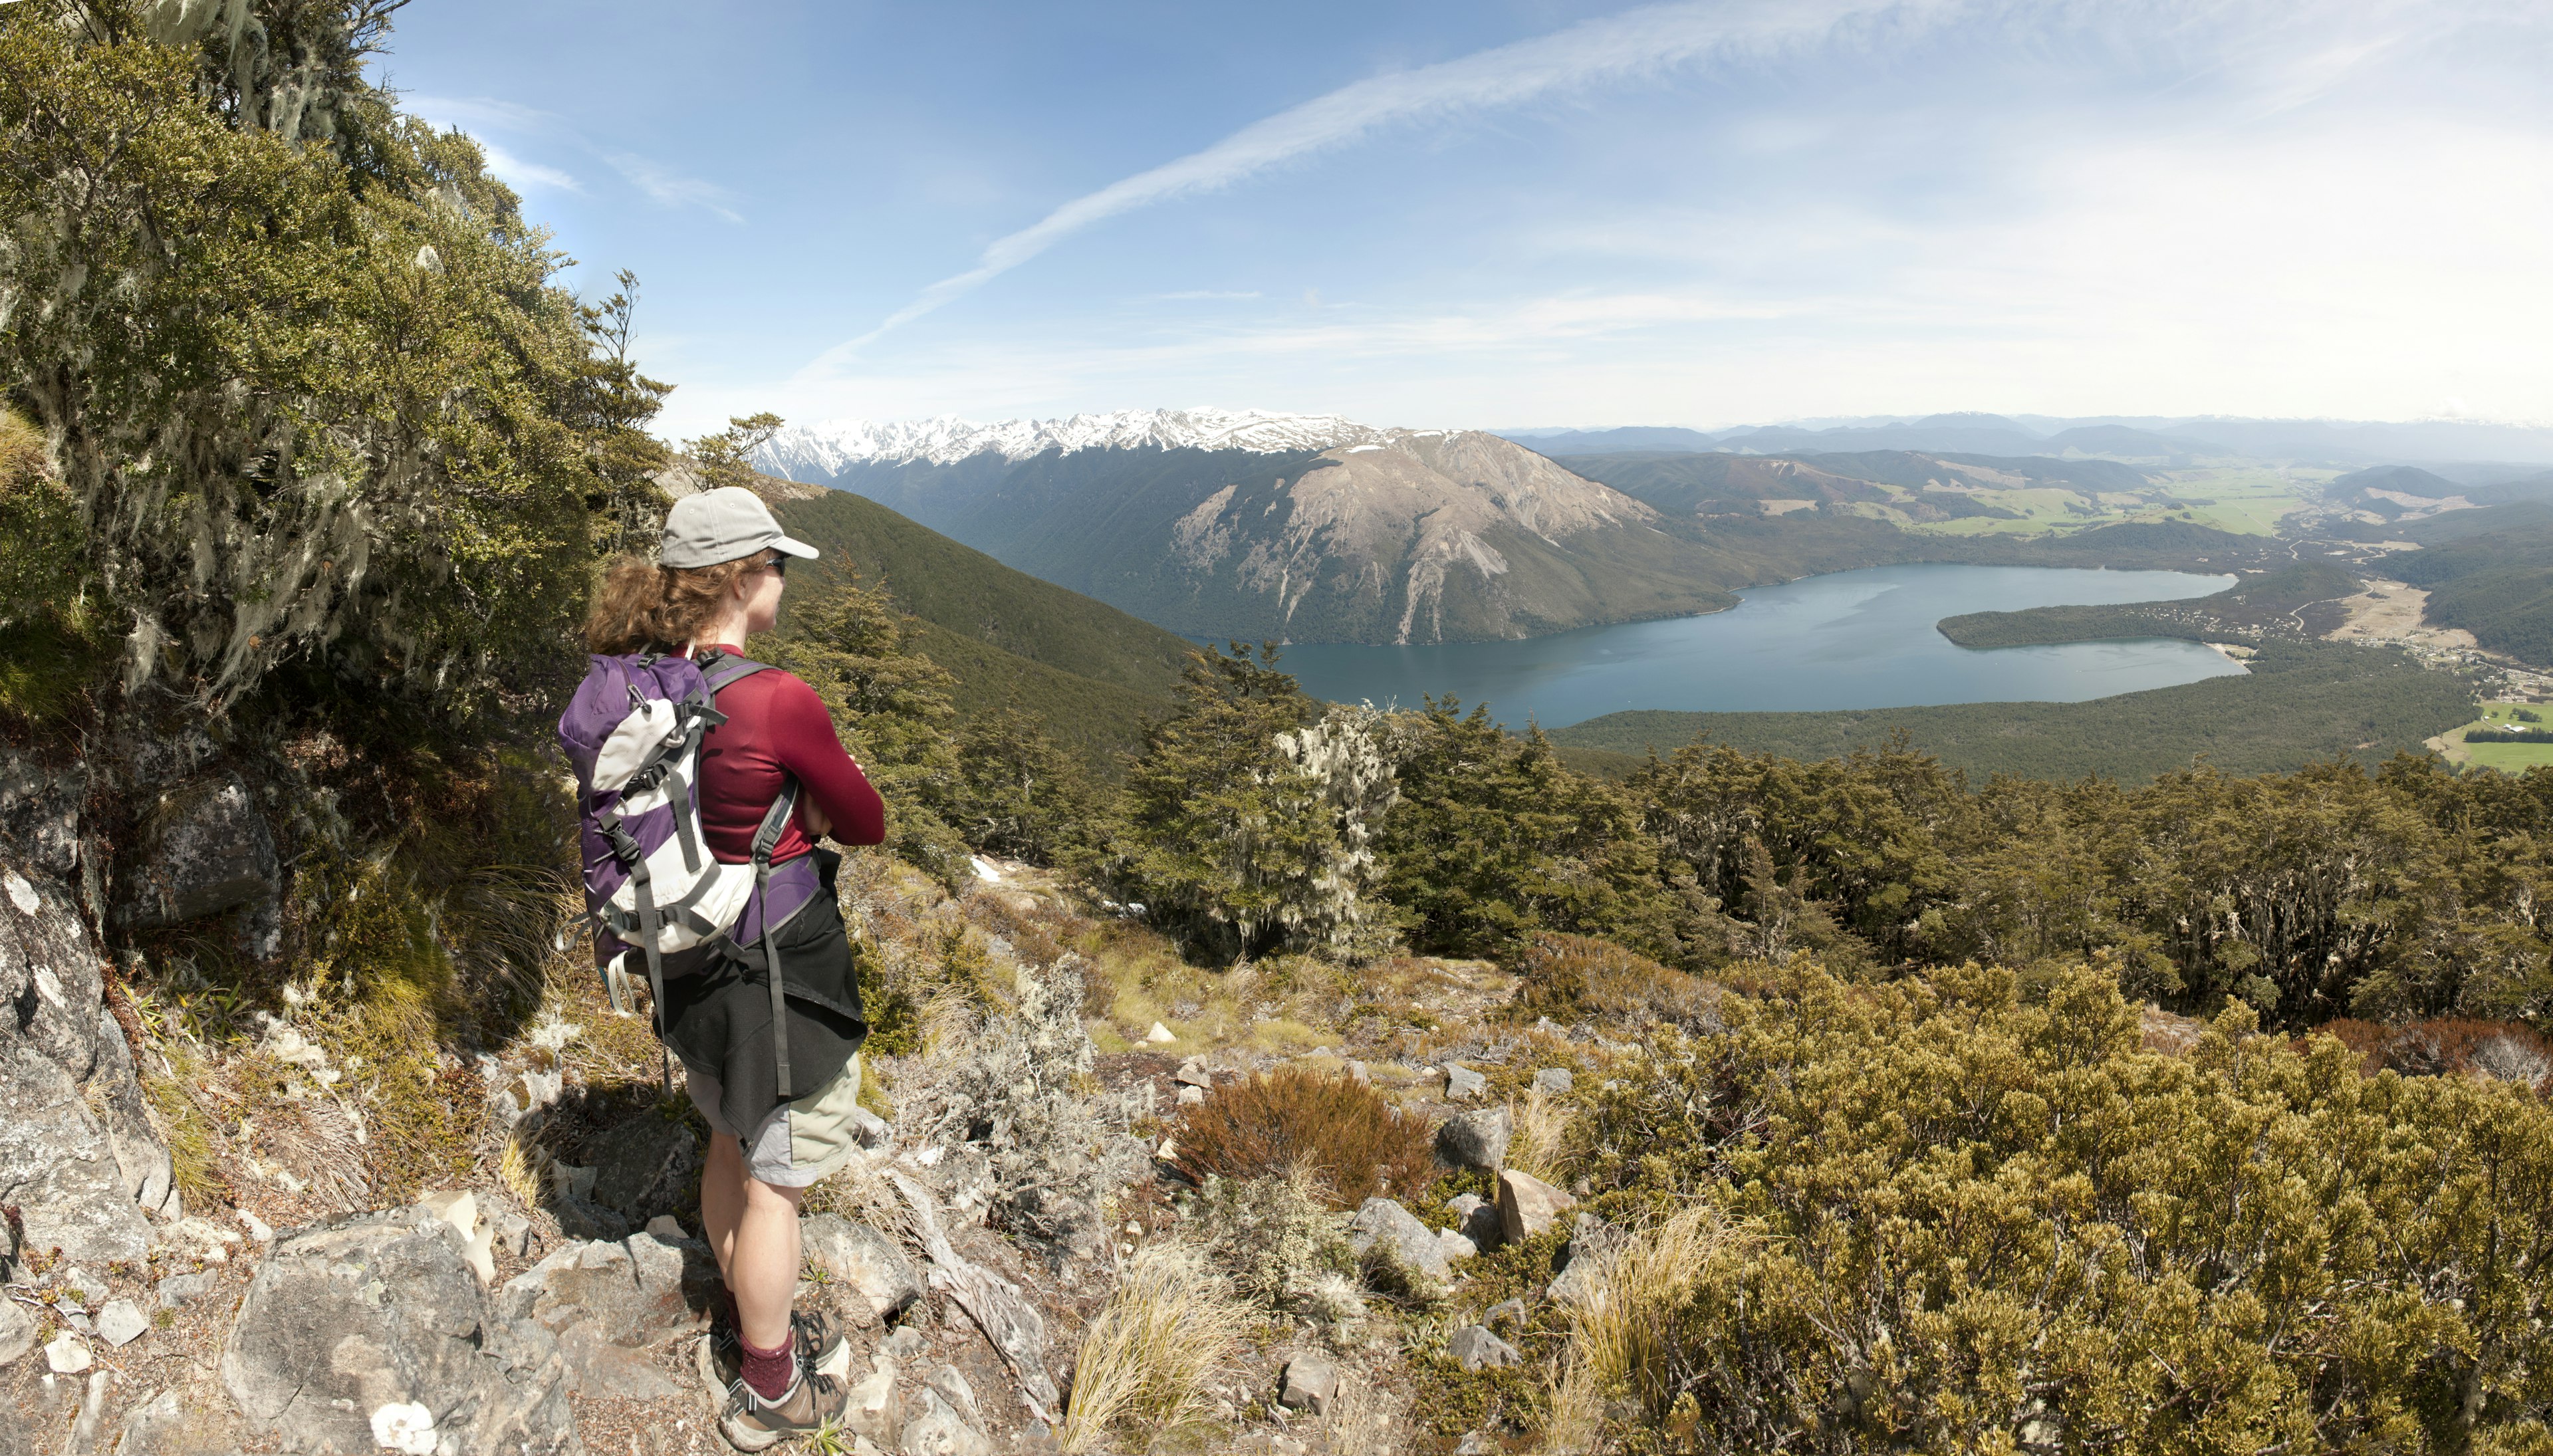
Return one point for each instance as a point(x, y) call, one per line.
point(1480, 1220)
point(1554, 1079)
point(940, 1431)
point(1474, 1348)
point(1385, 1232)
point(375, 1321)
point(1462, 1083)
point(179, 1289)
point(873, 1279)
point(58, 1167)
point(203, 849)
point(637, 1292)
point(1310, 1384)
point(1578, 1276)
point(18, 1330)
point(78, 1154)
point(1476, 1139)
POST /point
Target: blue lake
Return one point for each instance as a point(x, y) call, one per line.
point(1851, 639)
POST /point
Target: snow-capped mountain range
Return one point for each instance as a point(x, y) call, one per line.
point(821, 451)
point(1308, 527)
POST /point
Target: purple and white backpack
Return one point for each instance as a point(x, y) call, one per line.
point(633, 732)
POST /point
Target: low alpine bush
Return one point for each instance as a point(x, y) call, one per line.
point(1340, 1129)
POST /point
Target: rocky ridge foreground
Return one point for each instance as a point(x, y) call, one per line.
point(548, 1303)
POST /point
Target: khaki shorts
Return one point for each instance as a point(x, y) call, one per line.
point(802, 1140)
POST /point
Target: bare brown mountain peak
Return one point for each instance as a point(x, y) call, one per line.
point(1306, 534)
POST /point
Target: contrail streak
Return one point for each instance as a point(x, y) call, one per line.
point(1636, 43)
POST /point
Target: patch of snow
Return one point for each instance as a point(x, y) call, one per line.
point(819, 452)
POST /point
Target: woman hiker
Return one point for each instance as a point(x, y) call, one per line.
point(718, 581)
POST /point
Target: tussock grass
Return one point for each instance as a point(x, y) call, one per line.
point(195, 1147)
point(1619, 1332)
point(1540, 1142)
point(1361, 1420)
point(1150, 1358)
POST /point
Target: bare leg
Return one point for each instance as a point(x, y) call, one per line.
point(762, 1267)
point(753, 1227)
point(723, 1199)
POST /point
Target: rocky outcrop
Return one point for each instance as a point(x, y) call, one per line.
point(1476, 1139)
point(637, 1292)
point(371, 1331)
point(872, 1277)
point(78, 1157)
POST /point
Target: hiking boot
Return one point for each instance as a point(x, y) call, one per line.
point(813, 1402)
point(820, 1351)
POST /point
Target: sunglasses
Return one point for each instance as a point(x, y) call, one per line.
point(777, 565)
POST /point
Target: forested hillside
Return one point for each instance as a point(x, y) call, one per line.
point(2279, 603)
point(2488, 571)
point(2301, 702)
point(1091, 675)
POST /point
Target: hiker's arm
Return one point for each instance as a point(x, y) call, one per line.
point(835, 798)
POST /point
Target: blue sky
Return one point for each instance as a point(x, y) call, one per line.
point(1512, 213)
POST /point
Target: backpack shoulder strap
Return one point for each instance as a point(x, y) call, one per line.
point(724, 671)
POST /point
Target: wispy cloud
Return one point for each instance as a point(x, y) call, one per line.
point(481, 115)
point(671, 188)
point(1638, 42)
point(1187, 295)
point(523, 176)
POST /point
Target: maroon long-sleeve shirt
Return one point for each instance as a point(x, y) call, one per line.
point(776, 727)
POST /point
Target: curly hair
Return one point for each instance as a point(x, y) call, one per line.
point(641, 607)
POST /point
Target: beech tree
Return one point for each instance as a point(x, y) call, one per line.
point(297, 362)
point(1248, 822)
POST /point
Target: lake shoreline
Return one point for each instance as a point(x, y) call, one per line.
point(1857, 640)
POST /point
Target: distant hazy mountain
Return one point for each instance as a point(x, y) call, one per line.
point(1976, 434)
point(2395, 493)
point(1304, 529)
point(2345, 442)
point(2120, 439)
point(2304, 441)
point(1617, 441)
point(1928, 487)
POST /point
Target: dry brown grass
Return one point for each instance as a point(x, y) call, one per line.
point(1359, 1422)
point(1150, 1358)
point(1293, 1118)
point(1539, 1141)
point(1618, 1333)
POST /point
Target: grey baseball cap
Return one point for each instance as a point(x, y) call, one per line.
point(725, 524)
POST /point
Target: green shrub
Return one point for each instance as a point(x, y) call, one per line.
point(1969, 1223)
point(1577, 977)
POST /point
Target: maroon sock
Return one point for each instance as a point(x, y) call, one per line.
point(768, 1371)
